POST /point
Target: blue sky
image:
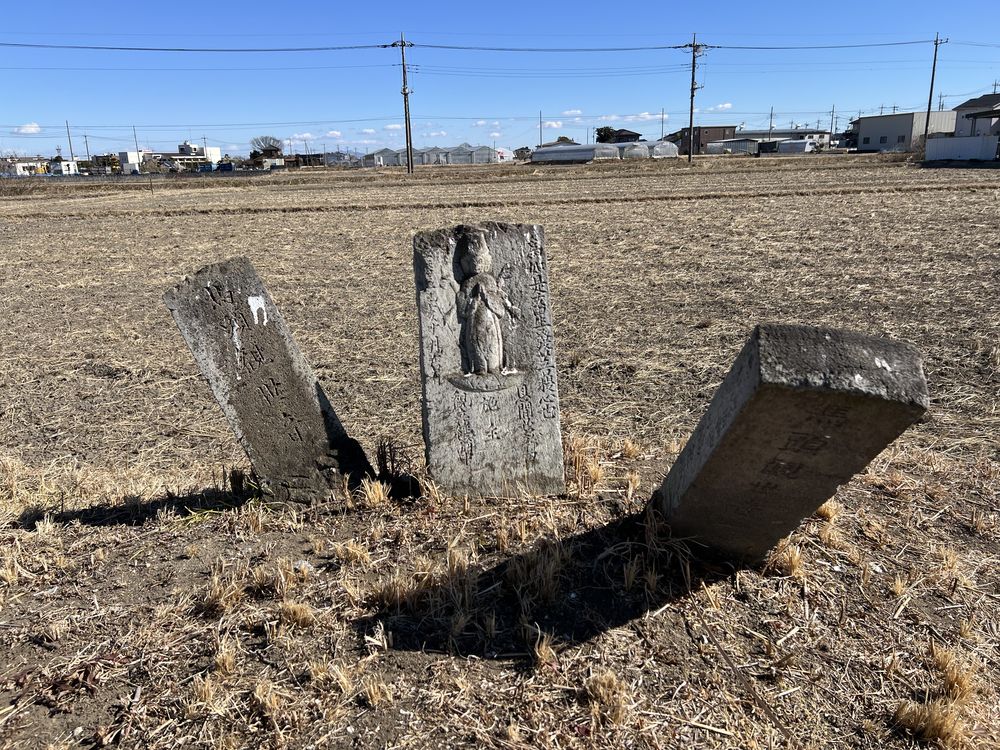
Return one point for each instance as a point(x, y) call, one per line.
point(350, 98)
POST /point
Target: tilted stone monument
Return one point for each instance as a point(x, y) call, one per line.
point(274, 404)
point(801, 411)
point(490, 401)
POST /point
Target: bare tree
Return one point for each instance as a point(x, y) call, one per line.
point(262, 142)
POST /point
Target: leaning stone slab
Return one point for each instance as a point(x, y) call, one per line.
point(801, 411)
point(274, 404)
point(490, 400)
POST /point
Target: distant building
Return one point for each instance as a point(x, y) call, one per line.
point(979, 116)
point(560, 141)
point(733, 146)
point(900, 131)
point(977, 132)
point(703, 135)
point(341, 159)
point(384, 157)
point(105, 164)
point(822, 137)
point(463, 153)
point(63, 167)
point(522, 154)
point(20, 166)
point(625, 136)
point(187, 156)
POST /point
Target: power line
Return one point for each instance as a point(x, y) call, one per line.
point(111, 48)
point(820, 46)
point(549, 49)
point(212, 69)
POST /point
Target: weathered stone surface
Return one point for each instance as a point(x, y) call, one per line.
point(269, 394)
point(801, 411)
point(490, 400)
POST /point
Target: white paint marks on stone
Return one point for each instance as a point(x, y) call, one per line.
point(258, 308)
point(879, 362)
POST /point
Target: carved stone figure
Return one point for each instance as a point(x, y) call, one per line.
point(482, 305)
point(490, 400)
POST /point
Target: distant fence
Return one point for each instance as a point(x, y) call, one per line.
point(965, 148)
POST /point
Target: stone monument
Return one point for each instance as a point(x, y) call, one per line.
point(268, 392)
point(490, 400)
point(801, 411)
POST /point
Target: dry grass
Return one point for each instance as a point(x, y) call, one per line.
point(146, 600)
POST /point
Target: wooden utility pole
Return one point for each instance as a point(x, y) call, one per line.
point(938, 41)
point(694, 87)
point(403, 44)
point(770, 127)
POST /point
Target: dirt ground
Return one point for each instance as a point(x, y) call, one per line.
point(143, 603)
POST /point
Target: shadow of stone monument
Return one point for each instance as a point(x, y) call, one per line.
point(571, 589)
point(135, 511)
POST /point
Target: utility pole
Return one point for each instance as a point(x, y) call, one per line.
point(938, 41)
point(833, 115)
point(695, 49)
point(770, 127)
point(403, 44)
point(324, 156)
point(881, 109)
point(539, 127)
point(70, 138)
point(996, 85)
point(135, 140)
point(86, 143)
point(941, 99)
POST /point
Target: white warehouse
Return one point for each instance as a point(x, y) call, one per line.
point(900, 131)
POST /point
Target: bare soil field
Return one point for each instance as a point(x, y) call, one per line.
point(145, 603)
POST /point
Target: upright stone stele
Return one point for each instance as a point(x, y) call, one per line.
point(490, 400)
point(801, 411)
point(268, 392)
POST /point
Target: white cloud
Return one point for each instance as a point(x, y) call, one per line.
point(367, 141)
point(302, 137)
point(641, 117)
point(368, 131)
point(333, 134)
point(553, 123)
point(479, 123)
point(720, 107)
point(28, 128)
point(394, 126)
point(608, 118)
point(495, 134)
point(573, 112)
point(436, 133)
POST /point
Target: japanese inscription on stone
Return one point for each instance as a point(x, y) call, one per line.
point(268, 392)
point(490, 398)
point(801, 411)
